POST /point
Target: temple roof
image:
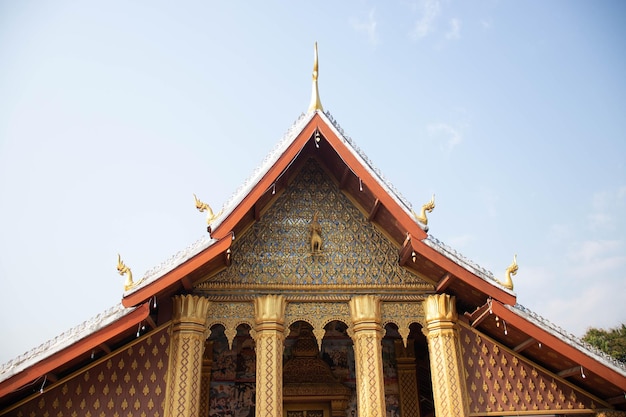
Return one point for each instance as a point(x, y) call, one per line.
point(483, 299)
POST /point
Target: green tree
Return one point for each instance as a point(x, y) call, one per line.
point(611, 341)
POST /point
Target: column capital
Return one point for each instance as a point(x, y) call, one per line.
point(365, 309)
point(440, 307)
point(269, 308)
point(192, 308)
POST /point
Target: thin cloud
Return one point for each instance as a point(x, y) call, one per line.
point(447, 136)
point(454, 32)
point(429, 11)
point(606, 207)
point(367, 26)
point(490, 200)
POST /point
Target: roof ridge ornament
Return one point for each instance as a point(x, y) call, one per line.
point(426, 208)
point(124, 270)
point(511, 270)
point(316, 104)
point(202, 207)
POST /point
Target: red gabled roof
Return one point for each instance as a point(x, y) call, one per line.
point(79, 341)
point(315, 134)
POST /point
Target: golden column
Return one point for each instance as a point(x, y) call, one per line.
point(444, 347)
point(367, 335)
point(407, 378)
point(184, 372)
point(269, 311)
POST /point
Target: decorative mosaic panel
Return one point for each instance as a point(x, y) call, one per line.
point(130, 383)
point(277, 248)
point(499, 380)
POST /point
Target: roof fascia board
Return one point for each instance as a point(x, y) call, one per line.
point(269, 177)
point(178, 273)
point(371, 180)
point(549, 339)
point(78, 348)
point(462, 273)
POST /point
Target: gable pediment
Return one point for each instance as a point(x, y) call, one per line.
point(276, 250)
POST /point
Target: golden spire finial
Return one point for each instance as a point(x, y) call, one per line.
point(316, 104)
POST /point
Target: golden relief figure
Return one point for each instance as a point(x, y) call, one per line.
point(315, 230)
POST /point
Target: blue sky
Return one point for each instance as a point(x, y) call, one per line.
point(113, 114)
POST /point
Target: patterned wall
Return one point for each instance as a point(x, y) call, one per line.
point(277, 248)
point(499, 380)
point(128, 383)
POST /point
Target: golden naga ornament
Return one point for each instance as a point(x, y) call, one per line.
point(511, 270)
point(426, 208)
point(202, 207)
point(123, 269)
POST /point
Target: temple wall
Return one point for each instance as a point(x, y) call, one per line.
point(129, 382)
point(501, 381)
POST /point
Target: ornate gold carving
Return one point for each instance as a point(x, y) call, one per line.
point(444, 347)
point(367, 336)
point(188, 335)
point(318, 315)
point(440, 307)
point(426, 208)
point(365, 309)
point(510, 270)
point(123, 269)
point(231, 315)
point(275, 251)
point(202, 207)
point(269, 319)
point(316, 104)
point(189, 309)
point(402, 315)
point(270, 308)
point(315, 230)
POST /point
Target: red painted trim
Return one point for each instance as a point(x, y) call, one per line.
point(348, 157)
point(397, 211)
point(590, 364)
point(178, 273)
point(462, 273)
point(82, 346)
point(266, 182)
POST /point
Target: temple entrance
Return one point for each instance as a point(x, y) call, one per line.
point(314, 384)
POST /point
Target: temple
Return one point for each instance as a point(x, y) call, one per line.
point(317, 292)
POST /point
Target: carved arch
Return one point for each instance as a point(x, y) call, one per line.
point(403, 315)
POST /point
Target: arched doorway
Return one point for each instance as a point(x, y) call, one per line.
point(312, 380)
